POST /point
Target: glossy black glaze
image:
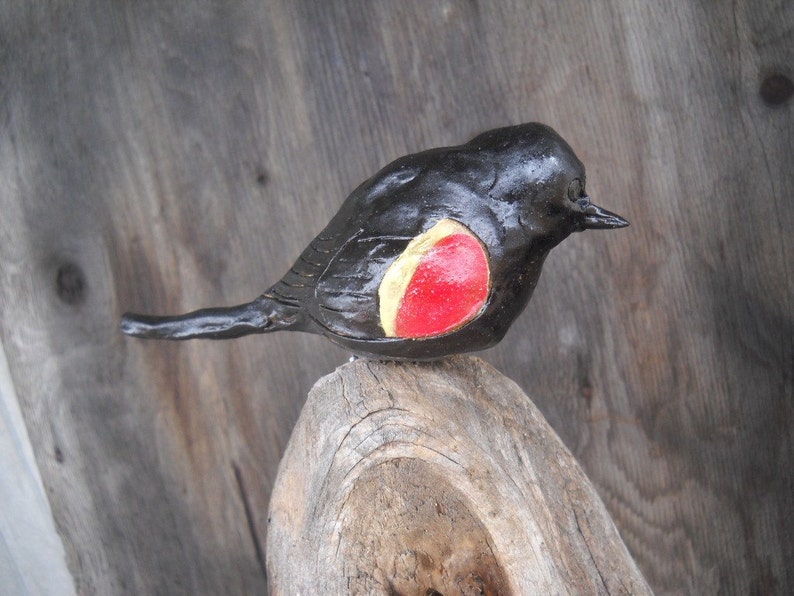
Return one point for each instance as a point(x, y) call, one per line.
point(520, 189)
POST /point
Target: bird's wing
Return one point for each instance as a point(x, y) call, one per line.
point(296, 287)
point(346, 293)
point(405, 287)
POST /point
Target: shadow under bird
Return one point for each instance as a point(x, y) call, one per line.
point(436, 254)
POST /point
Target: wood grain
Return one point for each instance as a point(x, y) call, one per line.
point(166, 156)
point(438, 478)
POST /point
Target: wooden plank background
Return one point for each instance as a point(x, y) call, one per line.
point(166, 156)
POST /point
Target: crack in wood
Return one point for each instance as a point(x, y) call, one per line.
point(249, 518)
point(589, 550)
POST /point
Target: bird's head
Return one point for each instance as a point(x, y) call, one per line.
point(539, 175)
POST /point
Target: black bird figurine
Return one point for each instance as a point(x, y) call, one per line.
point(436, 254)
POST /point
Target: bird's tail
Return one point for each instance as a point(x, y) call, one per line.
point(259, 316)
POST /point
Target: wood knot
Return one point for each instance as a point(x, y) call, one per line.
point(776, 89)
point(70, 284)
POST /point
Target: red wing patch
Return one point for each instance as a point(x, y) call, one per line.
point(439, 283)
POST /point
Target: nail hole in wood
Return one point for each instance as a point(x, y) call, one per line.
point(776, 89)
point(261, 177)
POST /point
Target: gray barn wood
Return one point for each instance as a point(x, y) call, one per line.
point(166, 156)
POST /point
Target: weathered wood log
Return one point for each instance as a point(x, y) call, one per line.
point(436, 478)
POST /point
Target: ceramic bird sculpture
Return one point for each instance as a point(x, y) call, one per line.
point(436, 254)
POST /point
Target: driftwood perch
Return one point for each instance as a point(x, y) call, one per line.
point(436, 478)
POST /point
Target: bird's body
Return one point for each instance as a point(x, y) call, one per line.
point(436, 254)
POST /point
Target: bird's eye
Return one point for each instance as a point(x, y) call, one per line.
point(575, 190)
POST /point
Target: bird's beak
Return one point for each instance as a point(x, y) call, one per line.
point(596, 218)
